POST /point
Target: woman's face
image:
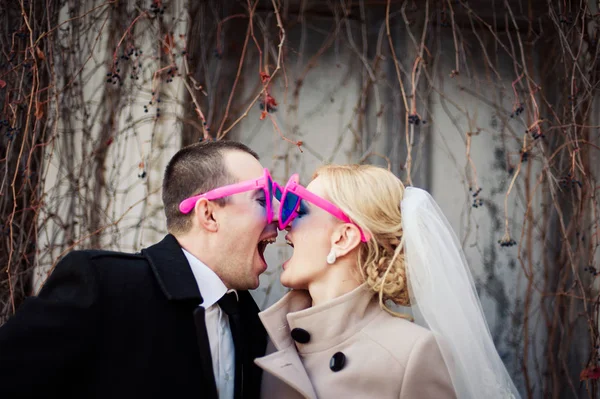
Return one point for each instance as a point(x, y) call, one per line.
point(310, 234)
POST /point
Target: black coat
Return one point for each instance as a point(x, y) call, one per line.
point(116, 325)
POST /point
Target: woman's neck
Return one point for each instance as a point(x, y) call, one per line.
point(338, 280)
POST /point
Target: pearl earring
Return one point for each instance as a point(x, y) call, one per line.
point(331, 257)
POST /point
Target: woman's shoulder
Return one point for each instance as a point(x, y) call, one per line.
point(397, 335)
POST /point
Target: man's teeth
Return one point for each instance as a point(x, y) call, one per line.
point(268, 241)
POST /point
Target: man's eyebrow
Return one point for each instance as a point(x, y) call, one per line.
point(257, 191)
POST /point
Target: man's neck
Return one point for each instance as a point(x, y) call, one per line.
point(203, 253)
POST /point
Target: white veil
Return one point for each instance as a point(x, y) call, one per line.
point(445, 301)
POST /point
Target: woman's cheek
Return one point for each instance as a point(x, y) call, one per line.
point(299, 221)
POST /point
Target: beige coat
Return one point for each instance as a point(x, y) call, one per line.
point(385, 356)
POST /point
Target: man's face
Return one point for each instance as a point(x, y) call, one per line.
point(243, 232)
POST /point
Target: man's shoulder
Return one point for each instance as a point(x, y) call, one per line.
point(108, 268)
point(101, 255)
point(104, 261)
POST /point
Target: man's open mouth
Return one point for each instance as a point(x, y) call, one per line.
point(262, 245)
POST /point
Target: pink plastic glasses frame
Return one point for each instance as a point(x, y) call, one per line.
point(293, 186)
point(265, 182)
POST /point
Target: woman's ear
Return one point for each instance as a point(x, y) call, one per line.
point(205, 215)
point(345, 238)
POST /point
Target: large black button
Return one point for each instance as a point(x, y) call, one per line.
point(337, 362)
point(300, 335)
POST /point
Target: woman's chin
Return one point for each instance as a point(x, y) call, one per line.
point(287, 280)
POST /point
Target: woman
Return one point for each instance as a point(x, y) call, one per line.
point(360, 240)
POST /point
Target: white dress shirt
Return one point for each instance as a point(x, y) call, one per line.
point(217, 325)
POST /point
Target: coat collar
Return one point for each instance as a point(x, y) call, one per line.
point(328, 324)
point(172, 270)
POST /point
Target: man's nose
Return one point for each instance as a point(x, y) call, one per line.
point(275, 210)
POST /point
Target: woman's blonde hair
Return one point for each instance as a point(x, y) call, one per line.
point(371, 197)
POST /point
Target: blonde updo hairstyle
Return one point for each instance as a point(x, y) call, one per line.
point(371, 197)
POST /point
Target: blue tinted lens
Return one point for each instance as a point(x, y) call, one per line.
point(289, 205)
point(270, 189)
point(278, 194)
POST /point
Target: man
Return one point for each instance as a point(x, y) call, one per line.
point(156, 324)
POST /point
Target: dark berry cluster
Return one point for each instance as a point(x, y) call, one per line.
point(131, 53)
point(157, 8)
point(414, 119)
point(5, 230)
point(524, 155)
point(133, 56)
point(11, 132)
point(476, 193)
point(592, 270)
point(536, 132)
point(507, 242)
point(171, 73)
point(150, 103)
point(518, 111)
point(566, 19)
point(136, 68)
point(477, 202)
point(206, 127)
point(114, 78)
point(444, 20)
point(142, 174)
point(269, 106)
point(569, 181)
point(21, 35)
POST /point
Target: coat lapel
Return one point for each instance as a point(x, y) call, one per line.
point(285, 363)
point(255, 341)
point(176, 280)
point(172, 270)
point(205, 357)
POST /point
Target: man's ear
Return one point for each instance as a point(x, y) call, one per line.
point(345, 238)
point(204, 214)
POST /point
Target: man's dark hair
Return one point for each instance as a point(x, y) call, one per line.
point(194, 170)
